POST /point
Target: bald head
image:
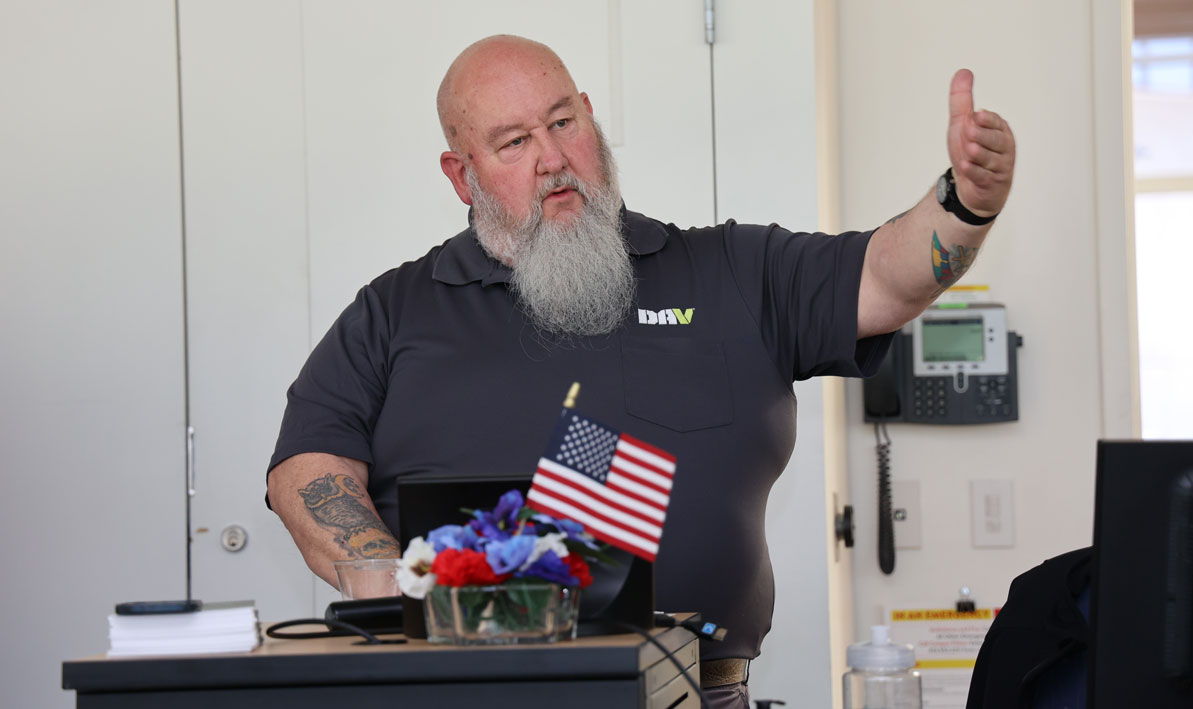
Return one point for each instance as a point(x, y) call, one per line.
point(492, 65)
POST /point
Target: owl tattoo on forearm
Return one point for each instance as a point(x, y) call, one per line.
point(335, 503)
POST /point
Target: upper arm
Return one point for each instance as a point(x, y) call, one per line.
point(879, 309)
point(335, 401)
point(298, 471)
point(802, 289)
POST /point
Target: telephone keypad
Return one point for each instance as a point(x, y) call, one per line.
point(931, 399)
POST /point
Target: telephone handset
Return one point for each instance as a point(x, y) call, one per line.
point(955, 365)
point(881, 392)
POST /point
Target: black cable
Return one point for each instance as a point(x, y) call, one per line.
point(666, 653)
point(886, 530)
point(369, 638)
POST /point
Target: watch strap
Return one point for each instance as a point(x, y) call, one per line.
point(952, 203)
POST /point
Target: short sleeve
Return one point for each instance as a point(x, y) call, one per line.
point(803, 290)
point(333, 405)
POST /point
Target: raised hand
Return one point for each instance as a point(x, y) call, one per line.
point(981, 148)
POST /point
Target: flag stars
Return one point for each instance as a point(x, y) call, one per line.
point(587, 447)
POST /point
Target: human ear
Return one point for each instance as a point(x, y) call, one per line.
point(454, 166)
point(587, 103)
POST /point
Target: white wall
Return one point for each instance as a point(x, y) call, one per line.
point(91, 370)
point(1056, 257)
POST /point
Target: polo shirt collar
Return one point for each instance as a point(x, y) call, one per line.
point(462, 260)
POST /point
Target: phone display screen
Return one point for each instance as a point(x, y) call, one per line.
point(954, 340)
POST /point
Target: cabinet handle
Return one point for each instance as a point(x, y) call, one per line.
point(190, 461)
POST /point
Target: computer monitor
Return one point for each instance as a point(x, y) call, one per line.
point(1142, 602)
point(622, 592)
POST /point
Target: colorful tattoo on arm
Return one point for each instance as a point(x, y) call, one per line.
point(335, 503)
point(949, 266)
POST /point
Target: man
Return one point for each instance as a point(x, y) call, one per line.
point(457, 362)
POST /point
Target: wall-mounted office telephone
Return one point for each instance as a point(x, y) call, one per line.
point(955, 364)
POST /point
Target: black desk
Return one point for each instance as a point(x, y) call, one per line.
point(596, 672)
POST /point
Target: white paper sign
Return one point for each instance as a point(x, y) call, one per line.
point(946, 647)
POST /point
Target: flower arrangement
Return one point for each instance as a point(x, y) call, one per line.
point(502, 571)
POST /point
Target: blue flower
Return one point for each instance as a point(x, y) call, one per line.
point(507, 555)
point(573, 529)
point(487, 529)
point(549, 567)
point(507, 508)
point(452, 536)
point(501, 522)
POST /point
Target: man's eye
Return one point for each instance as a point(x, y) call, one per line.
point(515, 142)
point(561, 123)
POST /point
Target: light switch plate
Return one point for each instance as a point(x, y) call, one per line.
point(992, 513)
point(906, 513)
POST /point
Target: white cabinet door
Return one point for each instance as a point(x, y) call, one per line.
point(91, 366)
point(247, 285)
point(311, 147)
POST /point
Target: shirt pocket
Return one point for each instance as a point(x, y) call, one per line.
point(679, 383)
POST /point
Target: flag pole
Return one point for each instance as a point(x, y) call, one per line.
point(570, 401)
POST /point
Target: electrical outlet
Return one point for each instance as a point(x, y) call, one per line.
point(992, 513)
point(905, 513)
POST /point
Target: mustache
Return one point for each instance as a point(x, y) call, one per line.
point(558, 180)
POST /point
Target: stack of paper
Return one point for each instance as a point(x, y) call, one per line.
point(217, 627)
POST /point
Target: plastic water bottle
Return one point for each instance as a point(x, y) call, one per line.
point(880, 675)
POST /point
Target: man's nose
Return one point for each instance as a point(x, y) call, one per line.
point(551, 157)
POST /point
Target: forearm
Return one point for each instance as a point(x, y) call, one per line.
point(323, 501)
point(916, 256)
point(910, 261)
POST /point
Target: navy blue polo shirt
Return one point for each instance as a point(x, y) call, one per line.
point(435, 368)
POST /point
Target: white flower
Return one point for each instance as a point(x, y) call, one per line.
point(414, 573)
point(547, 542)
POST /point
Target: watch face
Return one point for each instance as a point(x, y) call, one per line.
point(942, 189)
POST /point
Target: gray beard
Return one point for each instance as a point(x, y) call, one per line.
point(572, 277)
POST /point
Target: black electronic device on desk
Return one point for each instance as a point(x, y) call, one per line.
point(620, 593)
point(1142, 597)
point(955, 364)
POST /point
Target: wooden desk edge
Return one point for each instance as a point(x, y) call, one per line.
point(326, 661)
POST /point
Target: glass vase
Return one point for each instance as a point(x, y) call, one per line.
point(516, 612)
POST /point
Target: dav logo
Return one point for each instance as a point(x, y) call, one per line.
point(666, 316)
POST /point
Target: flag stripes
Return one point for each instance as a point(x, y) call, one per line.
point(598, 528)
point(565, 476)
point(608, 513)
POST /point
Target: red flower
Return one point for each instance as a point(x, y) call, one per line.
point(578, 567)
point(464, 567)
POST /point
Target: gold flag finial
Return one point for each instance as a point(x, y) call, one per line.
point(573, 392)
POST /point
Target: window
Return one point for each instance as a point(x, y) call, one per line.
point(1163, 78)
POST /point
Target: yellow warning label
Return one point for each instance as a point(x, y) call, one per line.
point(942, 614)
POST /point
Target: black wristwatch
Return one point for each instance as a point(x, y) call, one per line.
point(946, 194)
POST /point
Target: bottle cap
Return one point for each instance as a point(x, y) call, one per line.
point(880, 653)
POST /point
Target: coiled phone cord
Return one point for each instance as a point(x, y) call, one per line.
point(886, 531)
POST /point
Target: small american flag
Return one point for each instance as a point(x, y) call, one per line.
point(615, 485)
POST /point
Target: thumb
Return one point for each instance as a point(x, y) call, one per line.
point(961, 95)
